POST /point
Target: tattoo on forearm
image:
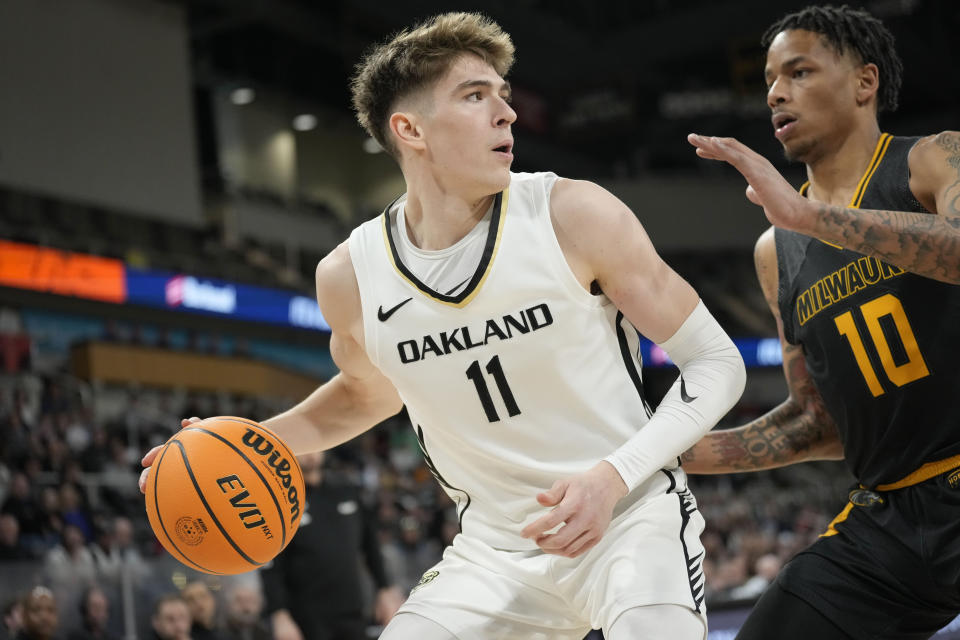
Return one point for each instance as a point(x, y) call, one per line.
point(789, 433)
point(928, 245)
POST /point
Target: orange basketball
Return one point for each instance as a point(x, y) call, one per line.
point(225, 495)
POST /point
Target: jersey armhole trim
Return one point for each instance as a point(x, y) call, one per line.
point(357, 246)
point(562, 268)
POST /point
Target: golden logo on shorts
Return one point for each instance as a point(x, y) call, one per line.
point(954, 479)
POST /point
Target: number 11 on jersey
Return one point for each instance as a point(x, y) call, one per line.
point(495, 369)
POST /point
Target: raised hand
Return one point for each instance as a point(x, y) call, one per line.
point(783, 206)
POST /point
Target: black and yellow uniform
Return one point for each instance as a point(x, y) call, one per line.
point(882, 348)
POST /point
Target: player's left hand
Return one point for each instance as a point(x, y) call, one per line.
point(583, 504)
point(784, 207)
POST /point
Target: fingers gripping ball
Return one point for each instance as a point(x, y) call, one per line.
point(225, 495)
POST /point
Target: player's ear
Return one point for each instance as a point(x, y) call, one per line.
point(407, 129)
point(868, 83)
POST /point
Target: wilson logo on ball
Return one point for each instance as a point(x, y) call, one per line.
point(263, 447)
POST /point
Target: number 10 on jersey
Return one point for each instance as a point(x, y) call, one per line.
point(495, 370)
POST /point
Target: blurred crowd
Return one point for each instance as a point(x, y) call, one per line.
point(73, 531)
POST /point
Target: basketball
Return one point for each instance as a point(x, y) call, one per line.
point(224, 495)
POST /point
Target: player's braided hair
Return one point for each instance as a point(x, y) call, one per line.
point(845, 29)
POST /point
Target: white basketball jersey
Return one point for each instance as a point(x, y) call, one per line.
point(520, 378)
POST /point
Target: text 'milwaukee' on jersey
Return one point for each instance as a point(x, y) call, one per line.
point(520, 379)
point(881, 344)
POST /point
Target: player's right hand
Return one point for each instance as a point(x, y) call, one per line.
point(152, 455)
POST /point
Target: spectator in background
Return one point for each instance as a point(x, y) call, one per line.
point(203, 611)
point(765, 570)
point(11, 549)
point(171, 618)
point(12, 619)
point(22, 505)
point(73, 511)
point(95, 614)
point(410, 553)
point(40, 619)
point(325, 558)
point(50, 523)
point(245, 614)
point(69, 565)
point(114, 550)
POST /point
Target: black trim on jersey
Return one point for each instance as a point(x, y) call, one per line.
point(630, 363)
point(673, 481)
point(694, 565)
point(477, 278)
point(436, 474)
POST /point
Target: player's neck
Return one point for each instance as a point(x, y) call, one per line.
point(438, 217)
point(835, 174)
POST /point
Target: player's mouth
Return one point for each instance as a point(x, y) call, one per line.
point(505, 149)
point(783, 124)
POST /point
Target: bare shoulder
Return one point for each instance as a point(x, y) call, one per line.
point(934, 163)
point(765, 261)
point(595, 229)
point(581, 203)
point(338, 293)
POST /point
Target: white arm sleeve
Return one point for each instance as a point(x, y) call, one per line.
point(712, 377)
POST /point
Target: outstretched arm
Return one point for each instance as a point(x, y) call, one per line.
point(797, 430)
point(924, 244)
point(351, 402)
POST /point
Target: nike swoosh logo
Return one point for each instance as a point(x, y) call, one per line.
point(383, 316)
point(683, 392)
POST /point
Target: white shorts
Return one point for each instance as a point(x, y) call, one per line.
point(651, 554)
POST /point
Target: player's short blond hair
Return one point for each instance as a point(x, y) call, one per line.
point(416, 58)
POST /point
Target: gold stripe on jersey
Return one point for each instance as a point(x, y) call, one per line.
point(878, 154)
point(483, 269)
point(879, 151)
point(831, 528)
point(925, 472)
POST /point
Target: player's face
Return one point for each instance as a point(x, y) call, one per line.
point(467, 127)
point(811, 91)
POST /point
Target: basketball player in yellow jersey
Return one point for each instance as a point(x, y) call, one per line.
point(503, 310)
point(861, 273)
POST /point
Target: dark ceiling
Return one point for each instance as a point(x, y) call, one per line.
point(603, 89)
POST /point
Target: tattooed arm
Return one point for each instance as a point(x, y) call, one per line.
point(928, 245)
point(917, 242)
point(799, 429)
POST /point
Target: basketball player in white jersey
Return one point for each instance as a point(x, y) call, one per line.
point(502, 309)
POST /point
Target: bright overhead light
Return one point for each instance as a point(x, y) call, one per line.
point(370, 145)
point(242, 96)
point(305, 122)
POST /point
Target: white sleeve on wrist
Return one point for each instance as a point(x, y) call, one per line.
point(712, 377)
